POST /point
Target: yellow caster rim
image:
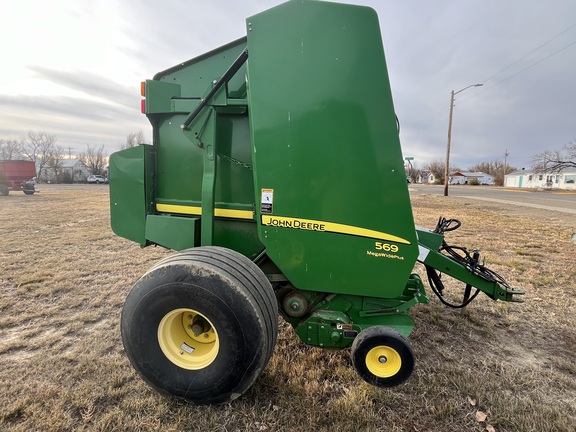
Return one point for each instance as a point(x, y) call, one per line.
point(383, 361)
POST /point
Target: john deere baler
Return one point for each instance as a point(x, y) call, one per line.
point(276, 174)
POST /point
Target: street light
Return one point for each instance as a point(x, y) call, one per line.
point(446, 168)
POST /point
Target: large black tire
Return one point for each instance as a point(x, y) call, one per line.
point(201, 325)
point(382, 356)
point(4, 191)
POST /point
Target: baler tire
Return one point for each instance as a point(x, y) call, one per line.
point(231, 294)
point(382, 356)
point(29, 192)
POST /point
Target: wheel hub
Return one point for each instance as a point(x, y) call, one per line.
point(295, 304)
point(188, 339)
point(383, 361)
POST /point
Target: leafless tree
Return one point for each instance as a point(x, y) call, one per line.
point(38, 147)
point(95, 158)
point(496, 169)
point(54, 162)
point(9, 149)
point(437, 170)
point(133, 139)
point(552, 161)
point(412, 171)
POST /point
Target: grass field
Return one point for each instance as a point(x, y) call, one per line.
point(505, 367)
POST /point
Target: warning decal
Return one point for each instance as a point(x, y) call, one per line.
point(266, 202)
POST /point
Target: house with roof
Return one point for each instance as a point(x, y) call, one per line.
point(65, 171)
point(425, 176)
point(466, 177)
point(529, 179)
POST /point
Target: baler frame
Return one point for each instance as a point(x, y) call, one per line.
point(233, 183)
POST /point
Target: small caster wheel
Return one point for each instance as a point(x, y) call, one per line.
point(382, 356)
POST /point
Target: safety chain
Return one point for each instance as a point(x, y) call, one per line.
point(235, 161)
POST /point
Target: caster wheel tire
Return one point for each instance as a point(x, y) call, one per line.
point(382, 356)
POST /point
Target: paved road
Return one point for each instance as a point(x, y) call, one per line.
point(549, 200)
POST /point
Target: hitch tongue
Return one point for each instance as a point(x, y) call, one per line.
point(509, 295)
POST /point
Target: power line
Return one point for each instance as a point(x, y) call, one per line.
point(466, 97)
point(534, 50)
point(532, 65)
point(472, 95)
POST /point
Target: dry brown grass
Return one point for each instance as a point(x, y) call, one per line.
point(64, 277)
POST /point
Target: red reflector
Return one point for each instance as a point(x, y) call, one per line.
point(143, 106)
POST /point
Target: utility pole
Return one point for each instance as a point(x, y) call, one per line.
point(446, 169)
point(505, 166)
point(69, 152)
point(447, 166)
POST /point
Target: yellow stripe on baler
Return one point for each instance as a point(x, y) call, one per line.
point(315, 225)
point(192, 210)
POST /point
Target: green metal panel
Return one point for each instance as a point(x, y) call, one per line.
point(180, 160)
point(196, 75)
point(326, 150)
point(173, 232)
point(131, 192)
point(204, 170)
point(324, 326)
point(239, 235)
point(160, 96)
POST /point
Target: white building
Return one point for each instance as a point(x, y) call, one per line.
point(425, 176)
point(69, 171)
point(565, 179)
point(466, 177)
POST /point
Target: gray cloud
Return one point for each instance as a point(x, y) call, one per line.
point(92, 85)
point(76, 121)
point(431, 49)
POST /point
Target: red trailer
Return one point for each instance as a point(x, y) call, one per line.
point(17, 175)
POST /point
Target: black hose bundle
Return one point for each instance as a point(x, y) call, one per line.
point(463, 257)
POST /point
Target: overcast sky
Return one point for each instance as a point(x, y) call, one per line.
point(73, 68)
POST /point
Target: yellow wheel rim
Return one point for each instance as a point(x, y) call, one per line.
point(188, 339)
point(383, 361)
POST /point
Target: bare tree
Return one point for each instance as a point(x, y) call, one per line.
point(436, 168)
point(95, 159)
point(54, 162)
point(556, 160)
point(133, 139)
point(9, 149)
point(496, 169)
point(412, 171)
point(39, 148)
